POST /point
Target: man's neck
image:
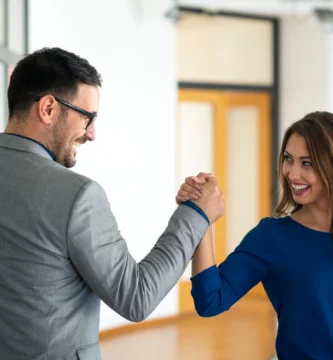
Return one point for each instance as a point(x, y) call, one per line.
point(13, 127)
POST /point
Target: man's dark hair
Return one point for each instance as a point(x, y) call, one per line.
point(51, 71)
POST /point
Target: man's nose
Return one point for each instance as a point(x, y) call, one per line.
point(91, 133)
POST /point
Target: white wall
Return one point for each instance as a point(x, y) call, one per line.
point(132, 46)
point(304, 68)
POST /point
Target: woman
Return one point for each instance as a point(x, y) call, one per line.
point(290, 253)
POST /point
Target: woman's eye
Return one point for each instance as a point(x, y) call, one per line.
point(307, 163)
point(287, 158)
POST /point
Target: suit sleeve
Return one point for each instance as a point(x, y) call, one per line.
point(216, 289)
point(100, 254)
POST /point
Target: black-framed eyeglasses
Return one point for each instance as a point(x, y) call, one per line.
point(91, 116)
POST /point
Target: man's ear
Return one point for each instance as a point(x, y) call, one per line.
point(47, 109)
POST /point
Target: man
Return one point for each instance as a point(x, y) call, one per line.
point(60, 248)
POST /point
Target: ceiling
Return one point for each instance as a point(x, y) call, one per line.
point(267, 7)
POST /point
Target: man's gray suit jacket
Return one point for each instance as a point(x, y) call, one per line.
point(61, 252)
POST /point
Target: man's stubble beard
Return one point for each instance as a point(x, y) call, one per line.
point(63, 151)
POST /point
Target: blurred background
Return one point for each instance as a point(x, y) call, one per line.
point(189, 86)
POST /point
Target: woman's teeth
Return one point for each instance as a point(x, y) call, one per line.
point(300, 187)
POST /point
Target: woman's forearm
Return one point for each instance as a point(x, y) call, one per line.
point(204, 256)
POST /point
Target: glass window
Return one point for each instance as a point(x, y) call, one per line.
point(3, 97)
point(16, 26)
point(13, 44)
point(2, 23)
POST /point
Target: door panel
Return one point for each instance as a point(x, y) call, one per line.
point(242, 173)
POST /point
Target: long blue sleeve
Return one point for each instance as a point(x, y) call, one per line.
point(216, 289)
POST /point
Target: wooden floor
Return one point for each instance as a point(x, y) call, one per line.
point(246, 332)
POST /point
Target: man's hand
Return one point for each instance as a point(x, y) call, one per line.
point(191, 188)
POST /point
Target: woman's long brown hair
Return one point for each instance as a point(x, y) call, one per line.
point(317, 130)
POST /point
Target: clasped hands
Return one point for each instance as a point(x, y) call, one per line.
point(204, 191)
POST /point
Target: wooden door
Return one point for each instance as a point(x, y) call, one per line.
point(228, 134)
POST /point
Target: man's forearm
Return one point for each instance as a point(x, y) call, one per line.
point(162, 268)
